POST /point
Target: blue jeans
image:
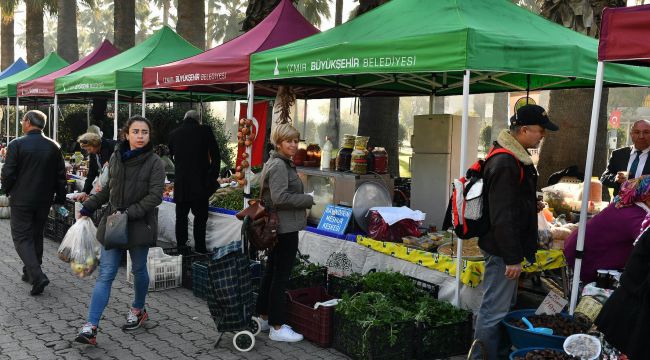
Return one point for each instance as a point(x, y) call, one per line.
point(108, 266)
point(498, 298)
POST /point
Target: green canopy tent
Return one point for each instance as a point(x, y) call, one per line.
point(442, 47)
point(121, 76)
point(8, 85)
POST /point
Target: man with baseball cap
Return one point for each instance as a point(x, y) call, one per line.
point(510, 202)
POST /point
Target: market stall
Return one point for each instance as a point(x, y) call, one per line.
point(16, 67)
point(8, 85)
point(42, 88)
point(479, 48)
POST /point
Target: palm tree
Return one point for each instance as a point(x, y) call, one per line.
point(314, 10)
point(223, 20)
point(124, 24)
point(95, 24)
point(187, 26)
point(256, 11)
point(165, 5)
point(571, 109)
point(334, 120)
point(145, 22)
point(7, 33)
point(67, 43)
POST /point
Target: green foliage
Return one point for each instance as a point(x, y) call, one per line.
point(433, 312)
point(485, 137)
point(399, 288)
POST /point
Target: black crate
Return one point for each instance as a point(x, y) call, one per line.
point(189, 257)
point(50, 228)
point(337, 286)
point(430, 288)
point(312, 279)
point(350, 338)
point(60, 229)
point(200, 279)
point(443, 340)
point(70, 218)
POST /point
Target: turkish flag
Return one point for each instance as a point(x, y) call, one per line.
point(260, 111)
point(615, 119)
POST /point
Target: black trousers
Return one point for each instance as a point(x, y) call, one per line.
point(200, 211)
point(272, 299)
point(27, 225)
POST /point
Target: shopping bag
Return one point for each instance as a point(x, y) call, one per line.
point(80, 247)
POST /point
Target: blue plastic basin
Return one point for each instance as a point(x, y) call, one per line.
point(523, 352)
point(522, 338)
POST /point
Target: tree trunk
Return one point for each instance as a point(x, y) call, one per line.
point(7, 46)
point(334, 120)
point(124, 24)
point(379, 120)
point(571, 111)
point(191, 22)
point(499, 114)
point(34, 42)
point(166, 12)
point(66, 35)
point(256, 11)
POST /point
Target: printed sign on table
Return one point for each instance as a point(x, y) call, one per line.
point(335, 219)
point(552, 304)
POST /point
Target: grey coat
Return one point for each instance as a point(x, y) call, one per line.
point(137, 186)
point(285, 193)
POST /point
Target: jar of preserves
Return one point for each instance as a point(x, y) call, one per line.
point(359, 164)
point(313, 153)
point(344, 156)
point(380, 160)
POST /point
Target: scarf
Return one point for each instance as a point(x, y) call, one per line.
point(506, 140)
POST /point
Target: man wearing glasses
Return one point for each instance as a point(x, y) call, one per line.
point(629, 162)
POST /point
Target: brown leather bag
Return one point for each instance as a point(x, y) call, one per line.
point(260, 226)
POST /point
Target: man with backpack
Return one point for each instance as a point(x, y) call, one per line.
point(510, 202)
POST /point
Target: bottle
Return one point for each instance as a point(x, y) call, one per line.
point(326, 154)
point(344, 156)
point(380, 160)
point(63, 211)
point(359, 161)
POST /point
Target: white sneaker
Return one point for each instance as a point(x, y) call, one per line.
point(285, 333)
point(264, 324)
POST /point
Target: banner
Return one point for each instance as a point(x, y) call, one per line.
point(260, 111)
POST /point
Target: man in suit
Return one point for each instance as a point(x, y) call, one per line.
point(194, 150)
point(629, 162)
point(32, 175)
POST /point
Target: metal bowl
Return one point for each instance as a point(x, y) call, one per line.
point(368, 195)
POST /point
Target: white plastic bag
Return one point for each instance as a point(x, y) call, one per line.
point(80, 247)
point(544, 236)
point(101, 180)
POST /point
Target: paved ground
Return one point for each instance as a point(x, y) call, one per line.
point(180, 327)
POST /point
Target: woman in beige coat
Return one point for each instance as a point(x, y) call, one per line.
point(285, 195)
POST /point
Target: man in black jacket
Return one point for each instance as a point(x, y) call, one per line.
point(629, 162)
point(194, 150)
point(510, 182)
point(33, 173)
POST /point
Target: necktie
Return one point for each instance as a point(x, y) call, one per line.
point(635, 165)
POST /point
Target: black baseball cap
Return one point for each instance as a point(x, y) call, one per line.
point(533, 115)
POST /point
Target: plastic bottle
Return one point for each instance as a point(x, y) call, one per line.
point(326, 154)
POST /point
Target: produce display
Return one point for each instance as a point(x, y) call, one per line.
point(561, 325)
point(583, 346)
point(470, 249)
point(245, 137)
point(546, 354)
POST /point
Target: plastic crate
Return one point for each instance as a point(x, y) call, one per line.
point(348, 338)
point(50, 228)
point(314, 325)
point(164, 270)
point(200, 279)
point(189, 258)
point(430, 288)
point(338, 285)
point(313, 279)
point(443, 341)
point(70, 219)
point(60, 229)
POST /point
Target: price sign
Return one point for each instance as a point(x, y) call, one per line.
point(335, 219)
point(552, 304)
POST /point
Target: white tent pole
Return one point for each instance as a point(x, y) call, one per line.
point(115, 116)
point(17, 116)
point(304, 121)
point(49, 119)
point(463, 160)
point(130, 109)
point(249, 149)
point(55, 124)
point(89, 105)
point(589, 167)
point(7, 126)
point(144, 102)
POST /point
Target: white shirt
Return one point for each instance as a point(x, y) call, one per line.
point(642, 159)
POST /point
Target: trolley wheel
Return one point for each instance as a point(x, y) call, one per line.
point(255, 326)
point(244, 341)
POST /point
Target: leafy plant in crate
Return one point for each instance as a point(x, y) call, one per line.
point(399, 288)
point(443, 330)
point(307, 274)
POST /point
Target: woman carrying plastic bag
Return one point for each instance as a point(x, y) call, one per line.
point(80, 247)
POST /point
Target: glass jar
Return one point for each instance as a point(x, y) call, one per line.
point(380, 160)
point(313, 153)
point(370, 159)
point(359, 164)
point(300, 157)
point(344, 156)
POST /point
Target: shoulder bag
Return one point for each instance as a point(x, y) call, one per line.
point(260, 224)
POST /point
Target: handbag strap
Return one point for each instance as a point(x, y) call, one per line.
point(263, 182)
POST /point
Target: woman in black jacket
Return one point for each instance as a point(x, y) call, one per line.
point(135, 187)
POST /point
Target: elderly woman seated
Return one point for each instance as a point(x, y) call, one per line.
point(610, 235)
